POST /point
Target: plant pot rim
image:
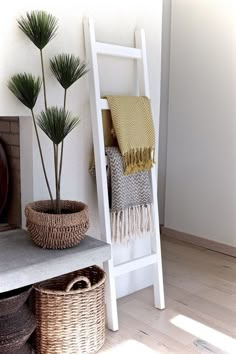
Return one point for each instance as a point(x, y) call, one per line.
point(47, 203)
point(35, 209)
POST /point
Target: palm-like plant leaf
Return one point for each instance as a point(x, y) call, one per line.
point(67, 69)
point(57, 123)
point(39, 26)
point(26, 88)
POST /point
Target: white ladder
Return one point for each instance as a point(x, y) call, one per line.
point(93, 48)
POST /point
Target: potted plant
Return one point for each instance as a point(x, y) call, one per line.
point(52, 223)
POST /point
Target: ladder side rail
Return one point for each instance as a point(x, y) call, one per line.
point(101, 176)
point(155, 239)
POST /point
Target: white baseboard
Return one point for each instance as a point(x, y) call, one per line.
point(198, 241)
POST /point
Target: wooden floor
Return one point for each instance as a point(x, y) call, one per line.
point(200, 314)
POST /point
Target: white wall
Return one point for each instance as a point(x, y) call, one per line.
point(201, 160)
point(114, 22)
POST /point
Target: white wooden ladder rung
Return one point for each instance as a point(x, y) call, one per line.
point(135, 264)
point(93, 49)
point(118, 51)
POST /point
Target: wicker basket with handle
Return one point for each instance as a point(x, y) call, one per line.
point(70, 313)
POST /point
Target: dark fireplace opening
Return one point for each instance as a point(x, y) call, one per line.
point(10, 184)
point(4, 180)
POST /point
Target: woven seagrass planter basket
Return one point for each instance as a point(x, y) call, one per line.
point(70, 313)
point(57, 231)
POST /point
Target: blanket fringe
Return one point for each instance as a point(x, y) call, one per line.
point(131, 222)
point(137, 160)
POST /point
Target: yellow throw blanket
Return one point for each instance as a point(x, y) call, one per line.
point(134, 130)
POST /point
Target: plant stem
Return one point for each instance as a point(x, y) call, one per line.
point(65, 99)
point(41, 156)
point(44, 81)
point(60, 169)
point(62, 149)
point(55, 147)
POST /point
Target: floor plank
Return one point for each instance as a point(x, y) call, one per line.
point(200, 314)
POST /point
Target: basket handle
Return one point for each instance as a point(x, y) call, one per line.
point(76, 280)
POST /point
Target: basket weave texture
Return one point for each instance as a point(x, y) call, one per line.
point(70, 313)
point(17, 322)
point(57, 231)
point(12, 301)
point(26, 349)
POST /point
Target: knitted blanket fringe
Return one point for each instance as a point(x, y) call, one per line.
point(131, 222)
point(136, 160)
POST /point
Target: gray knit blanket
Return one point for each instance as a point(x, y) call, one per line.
point(130, 199)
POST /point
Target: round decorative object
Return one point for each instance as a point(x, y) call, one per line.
point(17, 322)
point(57, 231)
point(4, 178)
point(26, 349)
point(16, 329)
point(76, 301)
point(12, 301)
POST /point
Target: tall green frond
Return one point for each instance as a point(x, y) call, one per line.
point(39, 26)
point(57, 123)
point(67, 69)
point(26, 88)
